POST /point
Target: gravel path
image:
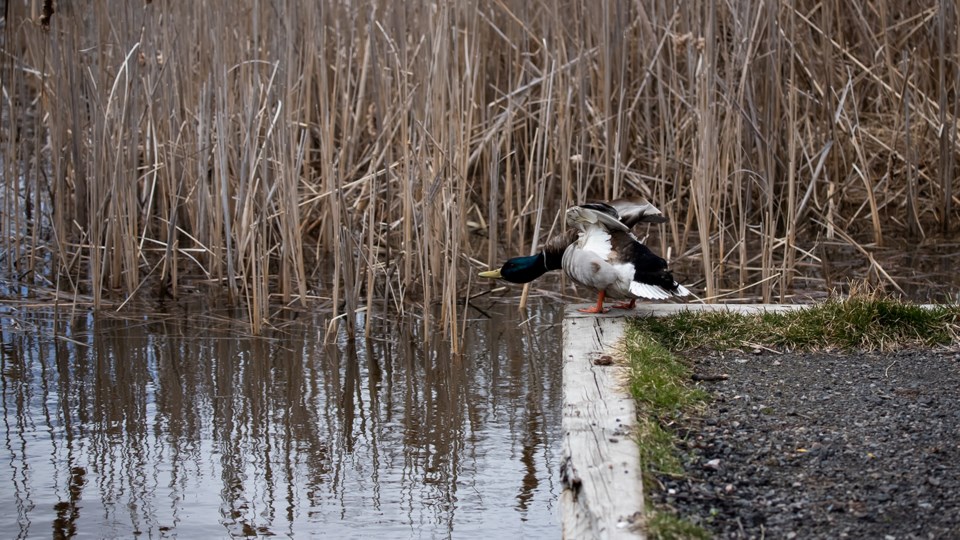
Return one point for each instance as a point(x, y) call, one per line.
point(824, 446)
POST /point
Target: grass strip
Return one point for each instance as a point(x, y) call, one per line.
point(867, 324)
point(659, 383)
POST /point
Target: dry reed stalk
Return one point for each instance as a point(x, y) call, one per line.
point(946, 134)
point(789, 253)
point(703, 184)
point(913, 213)
point(273, 149)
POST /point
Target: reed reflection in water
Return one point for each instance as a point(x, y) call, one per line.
point(174, 425)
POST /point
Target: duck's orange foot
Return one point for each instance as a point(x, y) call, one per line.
point(626, 305)
point(598, 308)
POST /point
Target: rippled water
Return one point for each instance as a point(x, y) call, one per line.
point(176, 425)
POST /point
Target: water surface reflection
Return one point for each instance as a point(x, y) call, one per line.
point(177, 425)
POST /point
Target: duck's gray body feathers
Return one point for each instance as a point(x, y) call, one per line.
point(607, 257)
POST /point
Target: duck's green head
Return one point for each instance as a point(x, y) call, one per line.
point(523, 269)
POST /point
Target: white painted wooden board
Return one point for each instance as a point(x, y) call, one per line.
point(603, 495)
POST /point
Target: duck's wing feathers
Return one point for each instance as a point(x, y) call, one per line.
point(644, 290)
point(595, 213)
point(637, 210)
point(651, 277)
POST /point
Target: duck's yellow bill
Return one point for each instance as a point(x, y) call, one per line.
point(492, 274)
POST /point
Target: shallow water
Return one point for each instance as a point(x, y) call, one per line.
point(176, 425)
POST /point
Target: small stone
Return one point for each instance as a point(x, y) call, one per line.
point(605, 360)
point(713, 465)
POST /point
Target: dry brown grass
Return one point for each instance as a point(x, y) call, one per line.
point(350, 153)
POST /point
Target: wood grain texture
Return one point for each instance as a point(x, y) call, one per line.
point(600, 470)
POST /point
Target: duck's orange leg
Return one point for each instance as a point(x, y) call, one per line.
point(626, 305)
point(597, 308)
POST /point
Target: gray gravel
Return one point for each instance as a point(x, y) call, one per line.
point(823, 446)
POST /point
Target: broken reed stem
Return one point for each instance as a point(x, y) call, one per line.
point(337, 151)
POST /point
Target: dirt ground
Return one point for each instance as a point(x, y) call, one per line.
point(823, 446)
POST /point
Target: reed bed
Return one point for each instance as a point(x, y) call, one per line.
point(372, 155)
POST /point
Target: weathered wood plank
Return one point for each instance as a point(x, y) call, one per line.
point(603, 490)
point(603, 494)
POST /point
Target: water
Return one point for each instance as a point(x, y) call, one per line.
point(177, 425)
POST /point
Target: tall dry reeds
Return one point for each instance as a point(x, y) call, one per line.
point(355, 153)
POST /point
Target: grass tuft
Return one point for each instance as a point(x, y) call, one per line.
point(658, 382)
point(848, 324)
point(656, 449)
point(667, 526)
point(657, 376)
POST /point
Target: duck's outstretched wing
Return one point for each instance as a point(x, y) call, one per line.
point(595, 213)
point(659, 286)
point(637, 210)
point(652, 278)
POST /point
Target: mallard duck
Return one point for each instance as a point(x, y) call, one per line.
point(600, 252)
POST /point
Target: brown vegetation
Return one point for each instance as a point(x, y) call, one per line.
point(367, 154)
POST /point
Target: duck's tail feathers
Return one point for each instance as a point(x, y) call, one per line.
point(645, 290)
point(656, 292)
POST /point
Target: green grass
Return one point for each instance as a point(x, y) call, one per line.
point(657, 376)
point(848, 324)
point(667, 526)
point(656, 450)
point(660, 381)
